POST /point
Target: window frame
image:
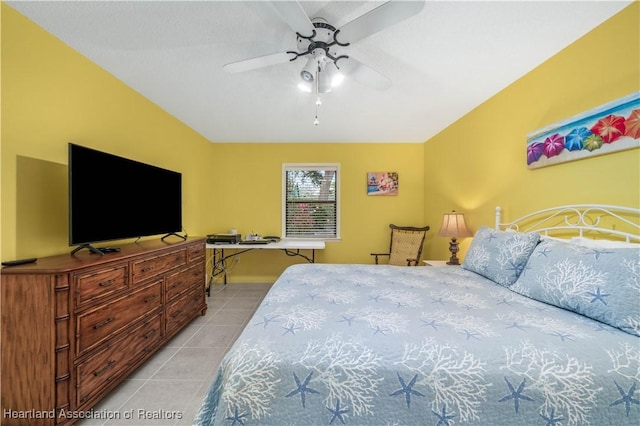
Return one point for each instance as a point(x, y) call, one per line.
point(310, 166)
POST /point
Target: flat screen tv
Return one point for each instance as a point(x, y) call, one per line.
point(114, 198)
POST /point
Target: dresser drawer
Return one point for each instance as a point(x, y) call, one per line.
point(99, 324)
point(183, 280)
point(145, 269)
point(196, 253)
point(183, 309)
point(91, 285)
point(104, 366)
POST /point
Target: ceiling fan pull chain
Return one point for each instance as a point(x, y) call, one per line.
point(315, 121)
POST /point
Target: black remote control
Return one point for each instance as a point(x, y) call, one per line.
point(19, 261)
point(109, 249)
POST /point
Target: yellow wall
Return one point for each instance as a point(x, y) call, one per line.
point(479, 162)
point(51, 95)
point(251, 201)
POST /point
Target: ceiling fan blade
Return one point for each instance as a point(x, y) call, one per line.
point(378, 19)
point(259, 62)
point(292, 13)
point(363, 74)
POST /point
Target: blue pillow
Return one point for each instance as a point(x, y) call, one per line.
point(599, 283)
point(499, 255)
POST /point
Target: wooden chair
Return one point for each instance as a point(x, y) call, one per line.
point(406, 245)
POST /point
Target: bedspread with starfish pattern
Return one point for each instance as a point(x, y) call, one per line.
point(390, 345)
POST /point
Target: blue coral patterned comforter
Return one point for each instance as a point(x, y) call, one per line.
point(388, 345)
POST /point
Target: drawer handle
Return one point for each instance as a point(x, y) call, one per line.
point(106, 283)
point(103, 323)
point(104, 369)
point(151, 298)
point(176, 314)
point(176, 284)
point(147, 269)
point(149, 334)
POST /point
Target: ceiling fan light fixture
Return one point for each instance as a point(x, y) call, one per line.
point(318, 38)
point(337, 80)
point(309, 70)
point(335, 76)
point(324, 82)
point(305, 86)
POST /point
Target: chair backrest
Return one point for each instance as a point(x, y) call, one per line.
point(406, 243)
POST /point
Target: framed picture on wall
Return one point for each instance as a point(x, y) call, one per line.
point(382, 183)
point(611, 127)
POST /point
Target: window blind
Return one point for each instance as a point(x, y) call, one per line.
point(311, 202)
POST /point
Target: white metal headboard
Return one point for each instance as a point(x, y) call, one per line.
point(583, 220)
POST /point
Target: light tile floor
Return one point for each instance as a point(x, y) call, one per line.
point(173, 382)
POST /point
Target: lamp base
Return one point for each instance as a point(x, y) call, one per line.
point(454, 249)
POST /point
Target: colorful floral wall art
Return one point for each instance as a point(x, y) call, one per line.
point(608, 128)
point(382, 183)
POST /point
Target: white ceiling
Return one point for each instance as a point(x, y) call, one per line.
point(443, 62)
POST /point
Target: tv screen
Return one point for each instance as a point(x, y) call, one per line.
point(112, 197)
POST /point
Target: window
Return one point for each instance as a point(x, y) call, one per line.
point(310, 207)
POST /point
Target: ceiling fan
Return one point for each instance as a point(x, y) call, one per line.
point(319, 42)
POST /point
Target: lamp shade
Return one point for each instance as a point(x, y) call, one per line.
point(453, 226)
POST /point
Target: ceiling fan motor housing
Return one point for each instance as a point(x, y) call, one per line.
point(321, 44)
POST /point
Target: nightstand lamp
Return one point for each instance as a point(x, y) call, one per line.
point(453, 226)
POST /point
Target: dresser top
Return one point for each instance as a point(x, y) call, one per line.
point(66, 262)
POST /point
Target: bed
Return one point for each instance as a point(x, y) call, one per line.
point(531, 330)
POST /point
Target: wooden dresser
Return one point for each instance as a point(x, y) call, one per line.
point(73, 327)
